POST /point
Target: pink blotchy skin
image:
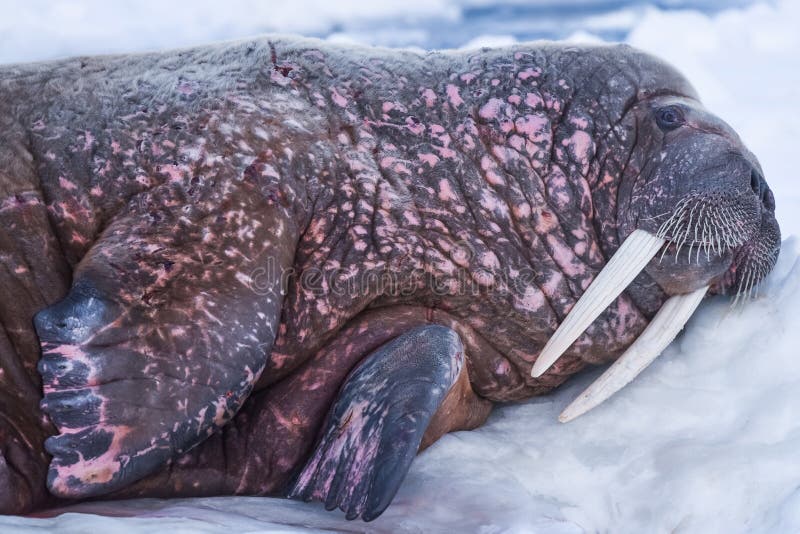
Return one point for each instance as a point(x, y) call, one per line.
point(242, 225)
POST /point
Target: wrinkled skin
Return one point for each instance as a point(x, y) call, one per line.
point(198, 247)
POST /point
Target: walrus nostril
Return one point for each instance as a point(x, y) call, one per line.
point(759, 186)
point(756, 182)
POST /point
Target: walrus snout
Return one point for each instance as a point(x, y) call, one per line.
point(759, 186)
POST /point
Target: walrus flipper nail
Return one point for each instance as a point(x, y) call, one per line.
point(378, 421)
point(158, 342)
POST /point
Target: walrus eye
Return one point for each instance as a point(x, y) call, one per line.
point(669, 117)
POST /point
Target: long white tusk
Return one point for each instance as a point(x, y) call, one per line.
point(629, 260)
point(667, 323)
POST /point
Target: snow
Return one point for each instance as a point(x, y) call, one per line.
point(705, 440)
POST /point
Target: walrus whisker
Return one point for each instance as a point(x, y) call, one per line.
point(668, 225)
point(745, 286)
point(663, 252)
point(731, 227)
point(704, 225)
point(654, 217)
point(735, 240)
point(664, 327)
point(682, 242)
point(699, 216)
point(755, 263)
point(629, 260)
point(738, 293)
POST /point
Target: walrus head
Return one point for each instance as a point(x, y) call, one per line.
point(705, 194)
point(694, 213)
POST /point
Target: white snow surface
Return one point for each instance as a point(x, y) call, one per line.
point(706, 440)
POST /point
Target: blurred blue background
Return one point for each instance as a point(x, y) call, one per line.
point(38, 29)
point(523, 20)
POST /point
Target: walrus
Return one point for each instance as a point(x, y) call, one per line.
point(283, 267)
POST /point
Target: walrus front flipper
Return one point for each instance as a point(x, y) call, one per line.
point(377, 423)
point(165, 330)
